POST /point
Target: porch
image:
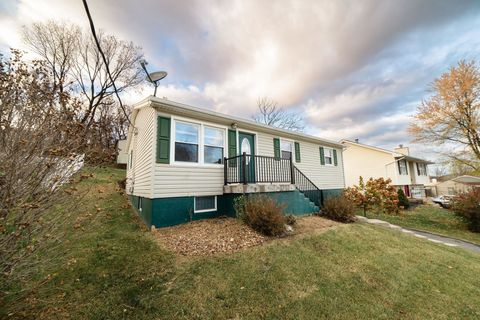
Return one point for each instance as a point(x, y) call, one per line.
point(247, 173)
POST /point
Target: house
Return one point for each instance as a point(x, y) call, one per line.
point(187, 163)
point(122, 154)
point(453, 185)
point(405, 171)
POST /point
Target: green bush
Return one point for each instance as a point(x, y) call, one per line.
point(239, 206)
point(263, 214)
point(339, 209)
point(467, 206)
point(402, 199)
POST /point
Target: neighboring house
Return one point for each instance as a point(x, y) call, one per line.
point(122, 154)
point(187, 163)
point(405, 171)
point(452, 185)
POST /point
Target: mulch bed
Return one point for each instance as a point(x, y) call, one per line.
point(206, 237)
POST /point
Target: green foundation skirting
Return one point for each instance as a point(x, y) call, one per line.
point(164, 212)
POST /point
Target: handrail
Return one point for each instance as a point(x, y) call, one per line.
point(307, 187)
point(246, 168)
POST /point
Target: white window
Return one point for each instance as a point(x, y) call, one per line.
point(328, 154)
point(402, 167)
point(286, 148)
point(186, 141)
point(422, 169)
point(197, 143)
point(213, 140)
point(204, 204)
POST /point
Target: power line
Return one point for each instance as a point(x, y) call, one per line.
point(92, 27)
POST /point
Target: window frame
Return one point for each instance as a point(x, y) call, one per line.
point(292, 151)
point(212, 146)
point(400, 167)
point(330, 150)
point(204, 210)
point(422, 167)
point(201, 142)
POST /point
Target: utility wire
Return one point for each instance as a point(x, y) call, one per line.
point(92, 27)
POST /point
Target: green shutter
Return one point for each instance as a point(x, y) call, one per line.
point(163, 140)
point(232, 147)
point(232, 143)
point(297, 152)
point(335, 162)
point(276, 148)
point(322, 156)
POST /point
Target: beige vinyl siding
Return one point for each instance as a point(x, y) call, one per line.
point(140, 175)
point(324, 177)
point(186, 180)
point(369, 163)
point(183, 180)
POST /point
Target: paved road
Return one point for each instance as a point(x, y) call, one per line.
point(451, 242)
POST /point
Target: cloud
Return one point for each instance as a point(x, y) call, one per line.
point(355, 69)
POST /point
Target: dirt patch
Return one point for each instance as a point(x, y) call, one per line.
point(206, 237)
point(313, 225)
point(220, 235)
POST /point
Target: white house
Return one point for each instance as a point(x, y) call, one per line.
point(122, 154)
point(406, 172)
point(187, 163)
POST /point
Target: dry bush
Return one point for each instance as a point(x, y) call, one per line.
point(339, 208)
point(467, 205)
point(39, 142)
point(264, 215)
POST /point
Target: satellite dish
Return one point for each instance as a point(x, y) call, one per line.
point(156, 76)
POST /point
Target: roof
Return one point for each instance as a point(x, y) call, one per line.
point(210, 115)
point(467, 179)
point(396, 155)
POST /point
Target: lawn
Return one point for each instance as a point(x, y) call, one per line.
point(432, 219)
point(112, 268)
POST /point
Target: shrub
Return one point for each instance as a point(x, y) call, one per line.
point(467, 206)
point(264, 215)
point(339, 208)
point(375, 194)
point(239, 207)
point(402, 199)
point(291, 220)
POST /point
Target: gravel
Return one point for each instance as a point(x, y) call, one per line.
point(207, 237)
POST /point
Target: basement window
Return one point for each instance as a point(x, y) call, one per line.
point(204, 204)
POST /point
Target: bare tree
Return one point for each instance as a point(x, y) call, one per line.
point(56, 43)
point(75, 62)
point(451, 116)
point(271, 114)
point(90, 73)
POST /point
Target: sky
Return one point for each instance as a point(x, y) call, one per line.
point(353, 69)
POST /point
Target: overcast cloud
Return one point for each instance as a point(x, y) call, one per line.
point(356, 69)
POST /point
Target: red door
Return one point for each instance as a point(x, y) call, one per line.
point(406, 189)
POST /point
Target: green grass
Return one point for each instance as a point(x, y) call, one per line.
point(432, 219)
point(111, 268)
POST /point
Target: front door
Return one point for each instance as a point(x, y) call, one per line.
point(247, 146)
